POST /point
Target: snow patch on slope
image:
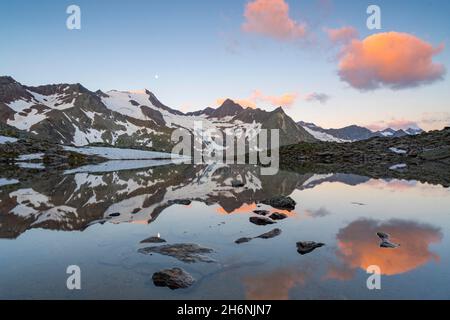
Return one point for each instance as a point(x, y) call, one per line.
point(322, 136)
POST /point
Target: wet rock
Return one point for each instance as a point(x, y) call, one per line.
point(237, 184)
point(243, 240)
point(305, 247)
point(385, 242)
point(174, 278)
point(186, 252)
point(268, 235)
point(261, 221)
point(271, 234)
point(281, 202)
point(278, 216)
point(261, 212)
point(153, 239)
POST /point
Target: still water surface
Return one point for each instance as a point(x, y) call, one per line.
point(97, 221)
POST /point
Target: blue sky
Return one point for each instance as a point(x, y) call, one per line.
point(200, 53)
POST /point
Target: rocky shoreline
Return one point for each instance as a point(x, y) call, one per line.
point(424, 157)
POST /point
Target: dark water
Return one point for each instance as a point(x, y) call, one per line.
point(49, 221)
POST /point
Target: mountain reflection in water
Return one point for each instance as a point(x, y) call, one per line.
point(113, 211)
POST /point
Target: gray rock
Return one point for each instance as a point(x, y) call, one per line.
point(243, 240)
point(271, 234)
point(278, 216)
point(261, 221)
point(174, 278)
point(261, 212)
point(305, 247)
point(153, 240)
point(185, 252)
point(281, 202)
point(268, 235)
point(385, 242)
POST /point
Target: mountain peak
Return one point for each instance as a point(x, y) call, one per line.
point(229, 103)
point(279, 110)
point(228, 108)
point(5, 80)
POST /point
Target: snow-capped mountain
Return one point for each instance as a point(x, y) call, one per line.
point(354, 132)
point(73, 115)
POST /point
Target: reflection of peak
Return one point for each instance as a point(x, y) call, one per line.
point(348, 179)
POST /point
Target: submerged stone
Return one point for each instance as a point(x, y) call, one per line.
point(268, 235)
point(243, 240)
point(186, 252)
point(175, 278)
point(271, 234)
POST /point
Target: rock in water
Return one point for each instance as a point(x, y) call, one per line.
point(281, 202)
point(261, 212)
point(382, 235)
point(261, 221)
point(278, 216)
point(385, 242)
point(174, 278)
point(268, 235)
point(243, 240)
point(153, 240)
point(186, 252)
point(305, 247)
point(271, 234)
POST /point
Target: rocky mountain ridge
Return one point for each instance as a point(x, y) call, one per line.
point(70, 114)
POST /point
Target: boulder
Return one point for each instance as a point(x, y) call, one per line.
point(278, 216)
point(305, 247)
point(281, 202)
point(261, 212)
point(271, 234)
point(175, 278)
point(261, 221)
point(153, 239)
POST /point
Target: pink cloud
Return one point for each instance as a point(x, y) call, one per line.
point(284, 100)
point(271, 18)
point(342, 35)
point(391, 59)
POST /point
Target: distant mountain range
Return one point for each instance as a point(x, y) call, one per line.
point(354, 132)
point(70, 114)
point(73, 115)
